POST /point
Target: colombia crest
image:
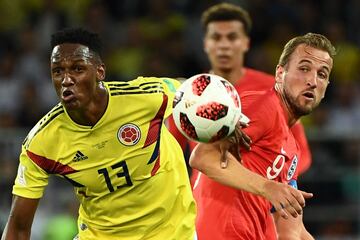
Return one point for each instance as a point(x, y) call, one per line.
point(129, 134)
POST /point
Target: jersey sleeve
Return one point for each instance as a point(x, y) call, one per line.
point(170, 86)
point(31, 180)
point(182, 140)
point(260, 114)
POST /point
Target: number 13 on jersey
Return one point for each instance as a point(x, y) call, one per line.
point(122, 171)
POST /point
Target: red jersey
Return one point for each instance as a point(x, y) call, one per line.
point(252, 80)
point(225, 213)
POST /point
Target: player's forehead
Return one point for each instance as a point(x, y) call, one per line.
point(225, 27)
point(315, 56)
point(71, 51)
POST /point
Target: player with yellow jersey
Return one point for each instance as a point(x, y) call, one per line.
point(108, 139)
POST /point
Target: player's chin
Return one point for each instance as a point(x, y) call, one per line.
point(305, 109)
point(307, 102)
point(310, 105)
point(225, 67)
point(71, 105)
point(301, 108)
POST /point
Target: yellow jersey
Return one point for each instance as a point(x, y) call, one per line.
point(128, 171)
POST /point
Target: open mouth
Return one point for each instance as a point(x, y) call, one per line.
point(67, 95)
point(309, 95)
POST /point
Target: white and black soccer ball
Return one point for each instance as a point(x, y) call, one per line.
point(206, 108)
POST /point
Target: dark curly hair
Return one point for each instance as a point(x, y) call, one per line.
point(80, 36)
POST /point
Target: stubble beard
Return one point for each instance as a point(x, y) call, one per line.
point(295, 106)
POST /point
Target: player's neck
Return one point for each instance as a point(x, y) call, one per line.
point(232, 76)
point(292, 118)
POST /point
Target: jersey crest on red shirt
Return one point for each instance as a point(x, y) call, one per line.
point(292, 168)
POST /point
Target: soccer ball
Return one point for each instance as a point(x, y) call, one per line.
point(206, 108)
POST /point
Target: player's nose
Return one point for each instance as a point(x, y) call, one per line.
point(67, 80)
point(312, 80)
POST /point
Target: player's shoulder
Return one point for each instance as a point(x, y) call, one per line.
point(261, 101)
point(45, 123)
point(261, 107)
point(250, 97)
point(254, 80)
point(143, 85)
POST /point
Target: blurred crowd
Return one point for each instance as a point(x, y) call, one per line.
point(164, 38)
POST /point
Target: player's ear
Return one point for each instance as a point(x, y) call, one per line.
point(246, 44)
point(279, 74)
point(100, 72)
point(205, 47)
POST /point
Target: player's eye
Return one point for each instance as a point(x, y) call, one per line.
point(304, 69)
point(233, 37)
point(215, 37)
point(322, 75)
point(56, 71)
point(78, 68)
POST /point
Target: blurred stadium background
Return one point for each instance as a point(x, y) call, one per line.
point(164, 38)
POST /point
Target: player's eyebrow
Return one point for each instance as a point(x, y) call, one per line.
point(310, 62)
point(305, 61)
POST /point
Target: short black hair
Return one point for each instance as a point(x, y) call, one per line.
point(80, 36)
point(226, 12)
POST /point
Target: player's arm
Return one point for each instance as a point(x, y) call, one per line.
point(291, 229)
point(20, 219)
point(285, 199)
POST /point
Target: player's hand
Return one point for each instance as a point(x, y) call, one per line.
point(233, 144)
point(241, 138)
point(285, 199)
